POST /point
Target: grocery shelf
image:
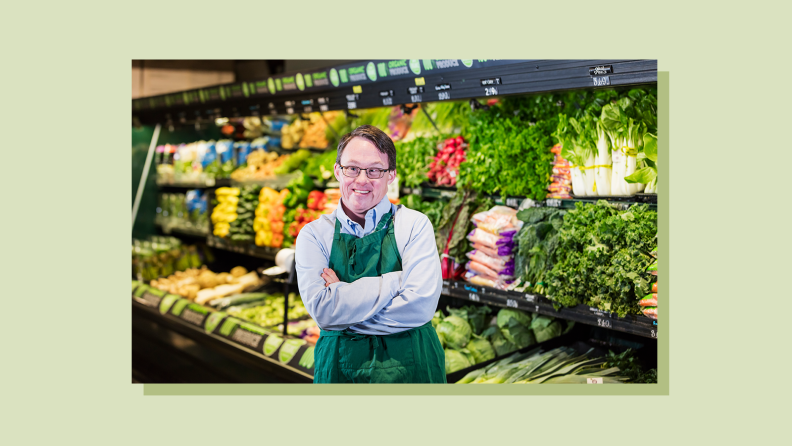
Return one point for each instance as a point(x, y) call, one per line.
point(249, 249)
point(184, 231)
point(235, 337)
point(195, 185)
point(375, 85)
point(430, 191)
point(536, 303)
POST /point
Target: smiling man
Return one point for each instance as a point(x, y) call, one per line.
point(369, 275)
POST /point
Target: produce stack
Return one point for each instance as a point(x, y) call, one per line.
point(241, 228)
point(268, 223)
point(492, 258)
point(561, 184)
point(469, 336)
point(295, 202)
point(649, 302)
point(293, 162)
point(444, 169)
point(203, 285)
point(225, 211)
point(261, 165)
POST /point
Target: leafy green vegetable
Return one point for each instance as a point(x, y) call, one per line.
point(536, 244)
point(499, 342)
point(456, 360)
point(601, 255)
point(545, 328)
point(454, 331)
point(516, 327)
point(507, 154)
point(413, 160)
point(437, 318)
point(480, 349)
point(628, 364)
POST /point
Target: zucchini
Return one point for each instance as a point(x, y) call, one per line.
point(237, 299)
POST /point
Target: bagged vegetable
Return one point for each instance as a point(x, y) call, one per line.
point(649, 301)
point(491, 240)
point(496, 263)
point(497, 219)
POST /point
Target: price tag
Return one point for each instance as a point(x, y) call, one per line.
point(444, 96)
point(357, 89)
point(600, 70)
point(351, 105)
point(352, 97)
point(246, 338)
point(387, 101)
point(323, 108)
point(653, 333)
point(492, 81)
point(491, 91)
point(193, 317)
point(536, 309)
point(416, 98)
point(307, 109)
point(473, 297)
point(289, 111)
point(604, 323)
point(420, 81)
point(601, 81)
point(511, 303)
point(530, 297)
point(553, 203)
point(415, 90)
point(593, 380)
point(446, 291)
point(513, 202)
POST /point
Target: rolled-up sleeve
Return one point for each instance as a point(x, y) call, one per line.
point(342, 304)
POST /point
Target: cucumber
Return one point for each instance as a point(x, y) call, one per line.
point(237, 299)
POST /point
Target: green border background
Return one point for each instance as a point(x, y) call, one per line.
point(66, 178)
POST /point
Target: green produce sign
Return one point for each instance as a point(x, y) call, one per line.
point(415, 66)
point(334, 77)
point(298, 79)
point(271, 85)
point(371, 71)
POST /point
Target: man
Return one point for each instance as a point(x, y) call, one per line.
point(369, 275)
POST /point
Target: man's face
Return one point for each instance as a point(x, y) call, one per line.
point(363, 193)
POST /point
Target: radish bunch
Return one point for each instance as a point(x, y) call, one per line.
point(444, 169)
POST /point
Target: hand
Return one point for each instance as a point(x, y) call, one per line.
point(329, 276)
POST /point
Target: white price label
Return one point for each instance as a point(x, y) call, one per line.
point(474, 297)
point(351, 105)
point(594, 380)
point(653, 333)
point(289, 111)
point(387, 101)
point(445, 290)
point(601, 81)
point(513, 202)
point(530, 297)
point(416, 98)
point(511, 303)
point(553, 203)
point(604, 323)
point(307, 109)
point(491, 91)
point(323, 108)
point(444, 96)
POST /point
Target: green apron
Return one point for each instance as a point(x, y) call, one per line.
point(411, 356)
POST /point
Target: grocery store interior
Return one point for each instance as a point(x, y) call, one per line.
point(540, 178)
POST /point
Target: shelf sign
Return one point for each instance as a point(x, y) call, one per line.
point(351, 105)
point(387, 101)
point(398, 67)
point(289, 83)
point(416, 98)
point(443, 96)
point(356, 74)
point(386, 93)
point(491, 91)
point(442, 87)
point(601, 81)
point(415, 90)
point(420, 81)
point(600, 70)
point(491, 81)
point(352, 97)
point(334, 77)
point(593, 380)
point(320, 79)
point(357, 89)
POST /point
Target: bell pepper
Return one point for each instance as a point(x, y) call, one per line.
point(316, 200)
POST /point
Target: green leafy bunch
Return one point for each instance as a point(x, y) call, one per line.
point(601, 257)
point(507, 154)
point(536, 244)
point(414, 158)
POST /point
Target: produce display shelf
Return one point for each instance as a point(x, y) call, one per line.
point(445, 193)
point(206, 185)
point(184, 231)
point(249, 249)
point(244, 340)
point(536, 303)
point(455, 81)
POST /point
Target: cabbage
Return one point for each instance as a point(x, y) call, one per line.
point(480, 349)
point(545, 328)
point(515, 326)
point(505, 315)
point(476, 316)
point(456, 360)
point(454, 331)
point(438, 317)
point(498, 341)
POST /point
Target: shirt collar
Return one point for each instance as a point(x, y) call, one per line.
point(372, 218)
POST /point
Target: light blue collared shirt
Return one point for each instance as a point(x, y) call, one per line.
point(391, 303)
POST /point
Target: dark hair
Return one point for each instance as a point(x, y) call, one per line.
point(380, 139)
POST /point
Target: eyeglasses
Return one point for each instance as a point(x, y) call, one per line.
point(373, 173)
